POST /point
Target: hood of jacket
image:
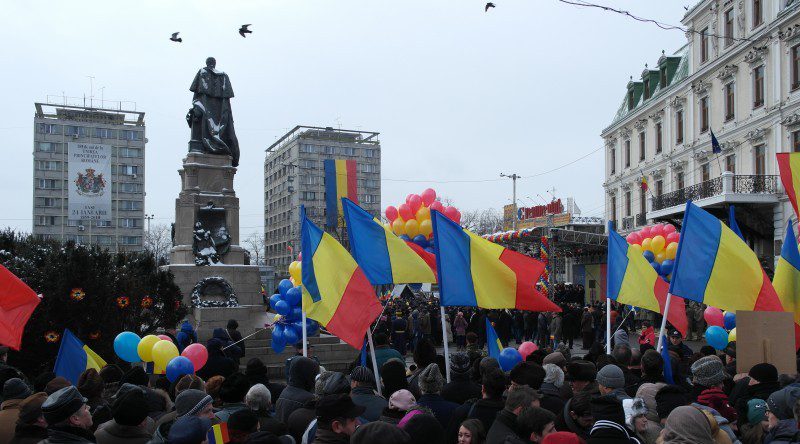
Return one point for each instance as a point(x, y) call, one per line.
point(187, 328)
point(785, 430)
point(302, 373)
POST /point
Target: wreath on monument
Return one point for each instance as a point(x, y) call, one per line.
point(199, 292)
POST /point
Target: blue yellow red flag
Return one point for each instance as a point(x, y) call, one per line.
point(714, 266)
point(475, 272)
point(787, 278)
point(384, 257)
point(218, 434)
point(336, 292)
point(341, 180)
point(74, 357)
point(493, 341)
point(789, 168)
point(732, 222)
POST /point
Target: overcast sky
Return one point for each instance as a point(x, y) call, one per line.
point(456, 94)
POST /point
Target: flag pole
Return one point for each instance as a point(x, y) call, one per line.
point(374, 360)
point(444, 341)
point(663, 323)
point(608, 325)
point(305, 335)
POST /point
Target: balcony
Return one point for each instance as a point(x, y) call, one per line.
point(728, 189)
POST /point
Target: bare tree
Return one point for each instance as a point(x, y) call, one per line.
point(158, 240)
point(256, 246)
point(482, 221)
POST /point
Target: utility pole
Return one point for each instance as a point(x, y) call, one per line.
point(513, 178)
point(149, 217)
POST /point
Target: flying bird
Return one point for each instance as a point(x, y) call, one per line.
point(175, 37)
point(243, 30)
point(488, 5)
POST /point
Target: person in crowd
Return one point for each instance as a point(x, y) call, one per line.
point(231, 350)
point(362, 391)
point(570, 326)
point(234, 389)
point(761, 381)
point(383, 352)
point(484, 409)
point(551, 389)
point(652, 367)
point(91, 386)
point(189, 402)
point(635, 367)
point(337, 419)
point(528, 374)
point(68, 418)
point(708, 375)
point(611, 382)
point(214, 389)
point(556, 358)
point(620, 336)
point(782, 425)
point(623, 354)
point(556, 329)
point(259, 400)
point(460, 330)
point(423, 428)
point(687, 424)
point(130, 424)
point(668, 398)
point(136, 376)
point(242, 424)
point(474, 348)
point(581, 376)
point(543, 330)
point(298, 352)
point(461, 387)
point(587, 328)
point(111, 375)
point(677, 345)
point(400, 403)
point(730, 358)
point(256, 373)
point(186, 336)
point(534, 424)
point(30, 427)
point(471, 432)
point(302, 423)
point(218, 364)
point(757, 425)
point(235, 336)
point(647, 339)
point(399, 333)
point(393, 377)
point(430, 385)
point(424, 355)
point(189, 430)
point(15, 391)
point(576, 416)
point(505, 424)
point(636, 421)
point(379, 432)
point(609, 422)
point(298, 390)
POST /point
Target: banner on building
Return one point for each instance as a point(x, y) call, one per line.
point(89, 181)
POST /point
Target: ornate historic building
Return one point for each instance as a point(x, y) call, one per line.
point(739, 76)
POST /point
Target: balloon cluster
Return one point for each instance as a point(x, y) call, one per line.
point(296, 270)
point(288, 327)
point(412, 220)
point(659, 245)
point(721, 327)
point(162, 352)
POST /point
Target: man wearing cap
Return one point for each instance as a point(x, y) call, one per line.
point(760, 382)
point(189, 402)
point(780, 415)
point(14, 392)
point(130, 424)
point(430, 385)
point(383, 352)
point(233, 391)
point(31, 426)
point(362, 391)
point(676, 344)
point(461, 387)
point(337, 419)
point(611, 382)
point(708, 375)
point(581, 376)
point(68, 418)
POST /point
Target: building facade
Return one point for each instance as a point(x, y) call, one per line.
point(56, 128)
point(294, 175)
point(739, 76)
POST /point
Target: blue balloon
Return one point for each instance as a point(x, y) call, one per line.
point(298, 328)
point(509, 357)
point(311, 326)
point(730, 320)
point(294, 296)
point(289, 335)
point(717, 337)
point(125, 346)
point(656, 267)
point(667, 266)
point(405, 237)
point(649, 255)
point(283, 308)
point(295, 315)
point(274, 300)
point(179, 366)
point(277, 334)
point(429, 249)
point(284, 286)
point(421, 241)
point(277, 347)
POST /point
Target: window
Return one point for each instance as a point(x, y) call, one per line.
point(614, 209)
point(704, 45)
point(705, 172)
point(759, 166)
point(370, 152)
point(329, 150)
point(46, 202)
point(308, 195)
point(47, 184)
point(642, 202)
point(347, 151)
point(659, 144)
point(308, 163)
point(130, 223)
point(125, 151)
point(129, 205)
point(370, 198)
point(308, 148)
point(78, 131)
point(48, 165)
point(728, 27)
point(662, 81)
point(48, 128)
point(128, 170)
point(642, 148)
point(796, 141)
point(646, 88)
point(679, 182)
point(613, 160)
point(102, 223)
point(659, 187)
point(627, 153)
point(369, 168)
point(47, 147)
point(730, 163)
point(130, 187)
point(795, 67)
point(103, 240)
point(730, 102)
point(704, 114)
point(130, 135)
point(627, 203)
point(758, 86)
point(679, 126)
point(758, 13)
point(105, 133)
point(131, 240)
point(630, 100)
point(46, 220)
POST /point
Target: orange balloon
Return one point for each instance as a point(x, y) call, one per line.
point(399, 227)
point(423, 213)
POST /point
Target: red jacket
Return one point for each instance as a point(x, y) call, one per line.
point(648, 337)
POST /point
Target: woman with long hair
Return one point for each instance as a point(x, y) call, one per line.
point(471, 431)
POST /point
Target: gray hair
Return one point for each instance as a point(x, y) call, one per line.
point(521, 396)
point(258, 398)
point(553, 375)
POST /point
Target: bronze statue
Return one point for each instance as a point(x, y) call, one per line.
point(210, 117)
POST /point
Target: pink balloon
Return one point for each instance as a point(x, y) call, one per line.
point(645, 233)
point(166, 338)
point(527, 348)
point(714, 316)
point(409, 197)
point(451, 213)
point(415, 202)
point(196, 353)
point(428, 196)
point(436, 205)
point(299, 258)
point(457, 219)
point(391, 213)
point(405, 212)
point(673, 237)
point(633, 239)
point(669, 228)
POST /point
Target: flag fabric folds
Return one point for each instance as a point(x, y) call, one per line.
point(218, 434)
point(74, 357)
point(716, 148)
point(384, 257)
point(17, 302)
point(714, 266)
point(493, 341)
point(644, 183)
point(336, 292)
point(787, 278)
point(475, 272)
point(340, 181)
point(633, 281)
point(668, 378)
point(732, 222)
point(789, 167)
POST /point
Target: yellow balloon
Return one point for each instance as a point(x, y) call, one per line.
point(295, 271)
point(660, 256)
point(278, 318)
point(399, 227)
point(636, 248)
point(732, 335)
point(163, 352)
point(412, 228)
point(145, 347)
point(426, 227)
point(423, 213)
point(658, 243)
point(646, 245)
point(672, 250)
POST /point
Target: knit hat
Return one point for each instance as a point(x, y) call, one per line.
point(189, 430)
point(14, 388)
point(556, 358)
point(402, 400)
point(190, 402)
point(756, 410)
point(581, 370)
point(553, 375)
point(669, 398)
point(135, 376)
point(764, 372)
point(611, 376)
point(781, 403)
point(362, 374)
point(608, 408)
point(459, 363)
point(90, 384)
point(561, 438)
point(30, 409)
point(708, 371)
point(430, 379)
point(56, 384)
point(131, 408)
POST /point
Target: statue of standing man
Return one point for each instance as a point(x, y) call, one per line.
point(210, 117)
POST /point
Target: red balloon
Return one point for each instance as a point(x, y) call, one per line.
point(657, 230)
point(166, 338)
point(196, 353)
point(633, 238)
point(409, 197)
point(415, 202)
point(645, 233)
point(714, 316)
point(451, 213)
point(669, 228)
point(405, 212)
point(428, 196)
point(436, 205)
point(673, 237)
point(391, 213)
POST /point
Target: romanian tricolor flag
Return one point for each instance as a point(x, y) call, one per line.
point(475, 272)
point(714, 266)
point(632, 281)
point(218, 434)
point(493, 341)
point(336, 292)
point(644, 183)
point(789, 167)
point(340, 181)
point(17, 303)
point(787, 278)
point(74, 357)
point(384, 257)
